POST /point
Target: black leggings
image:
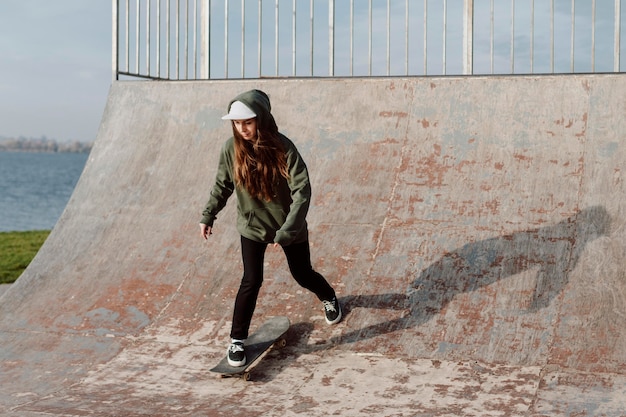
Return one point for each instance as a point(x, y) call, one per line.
point(253, 254)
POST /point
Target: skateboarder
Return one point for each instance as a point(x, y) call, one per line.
point(268, 175)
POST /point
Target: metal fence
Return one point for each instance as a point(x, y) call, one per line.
point(222, 39)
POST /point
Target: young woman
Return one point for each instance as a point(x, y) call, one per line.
point(266, 172)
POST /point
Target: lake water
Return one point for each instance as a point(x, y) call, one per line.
point(35, 188)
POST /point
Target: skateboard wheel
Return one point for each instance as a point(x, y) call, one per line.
point(246, 376)
point(282, 343)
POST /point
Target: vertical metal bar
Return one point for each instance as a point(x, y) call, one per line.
point(167, 39)
point(177, 31)
point(369, 56)
point(571, 65)
point(260, 32)
point(617, 36)
point(512, 37)
point(351, 38)
point(445, 35)
point(425, 37)
point(148, 16)
point(243, 38)
point(388, 37)
point(158, 40)
point(205, 39)
point(186, 39)
point(226, 39)
point(468, 36)
point(195, 40)
point(293, 39)
point(491, 41)
point(127, 35)
point(115, 27)
point(276, 38)
point(406, 37)
point(311, 27)
point(552, 36)
point(331, 38)
point(532, 36)
point(137, 36)
point(593, 35)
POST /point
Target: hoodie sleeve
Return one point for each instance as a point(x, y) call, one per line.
point(301, 197)
point(223, 187)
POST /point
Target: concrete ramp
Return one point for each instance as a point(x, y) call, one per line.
point(474, 229)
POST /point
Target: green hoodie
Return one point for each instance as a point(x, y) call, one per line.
point(281, 220)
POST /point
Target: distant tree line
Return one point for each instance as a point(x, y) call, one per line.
point(42, 145)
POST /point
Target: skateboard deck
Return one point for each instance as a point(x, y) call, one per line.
point(270, 333)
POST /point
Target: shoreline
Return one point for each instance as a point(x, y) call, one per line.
point(85, 149)
point(44, 146)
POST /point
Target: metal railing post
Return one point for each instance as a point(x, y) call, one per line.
point(369, 40)
point(617, 36)
point(331, 38)
point(148, 15)
point(276, 46)
point(243, 38)
point(137, 37)
point(593, 35)
point(204, 39)
point(312, 22)
point(115, 40)
point(260, 38)
point(388, 37)
point(468, 36)
point(158, 39)
point(444, 36)
point(425, 35)
point(293, 38)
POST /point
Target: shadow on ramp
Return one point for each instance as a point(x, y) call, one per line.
point(480, 264)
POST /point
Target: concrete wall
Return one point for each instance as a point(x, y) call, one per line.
point(458, 218)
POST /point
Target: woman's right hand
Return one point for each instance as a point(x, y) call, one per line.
point(205, 231)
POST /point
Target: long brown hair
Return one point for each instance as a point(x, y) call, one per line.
point(260, 163)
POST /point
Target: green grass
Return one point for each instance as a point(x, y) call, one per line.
point(17, 249)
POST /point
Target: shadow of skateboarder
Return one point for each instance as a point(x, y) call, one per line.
point(553, 250)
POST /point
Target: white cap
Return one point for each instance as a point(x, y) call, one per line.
point(239, 111)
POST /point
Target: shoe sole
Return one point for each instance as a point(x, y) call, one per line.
point(237, 364)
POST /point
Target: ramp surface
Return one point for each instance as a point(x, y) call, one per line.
point(473, 228)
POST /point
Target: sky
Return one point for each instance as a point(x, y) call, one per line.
point(55, 68)
point(55, 65)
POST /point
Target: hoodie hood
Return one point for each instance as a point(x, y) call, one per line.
point(259, 102)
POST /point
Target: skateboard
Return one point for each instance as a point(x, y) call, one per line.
point(269, 334)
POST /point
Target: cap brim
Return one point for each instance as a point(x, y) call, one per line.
point(238, 116)
point(239, 111)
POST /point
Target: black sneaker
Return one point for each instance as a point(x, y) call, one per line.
point(236, 354)
point(332, 310)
